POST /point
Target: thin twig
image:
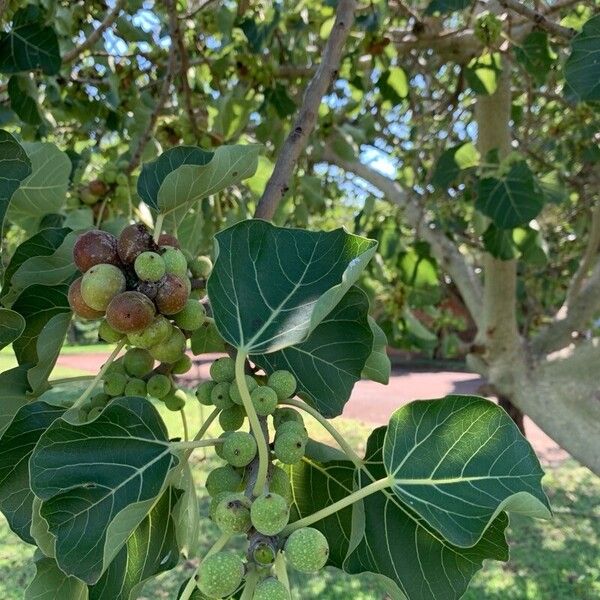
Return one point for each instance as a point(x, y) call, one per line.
point(296, 141)
point(95, 35)
point(539, 19)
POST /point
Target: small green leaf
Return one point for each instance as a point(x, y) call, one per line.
point(482, 73)
point(50, 583)
point(510, 200)
point(29, 45)
point(393, 85)
point(452, 162)
point(11, 326)
point(271, 286)
point(330, 361)
point(582, 69)
point(499, 243)
point(98, 481)
point(15, 167)
point(536, 56)
point(378, 366)
point(44, 191)
point(207, 339)
point(16, 445)
point(458, 462)
point(444, 7)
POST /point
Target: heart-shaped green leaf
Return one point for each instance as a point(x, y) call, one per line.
point(15, 167)
point(16, 445)
point(511, 200)
point(44, 191)
point(271, 286)
point(582, 69)
point(330, 361)
point(460, 461)
point(397, 543)
point(98, 481)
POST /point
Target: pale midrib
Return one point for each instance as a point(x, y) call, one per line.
point(451, 480)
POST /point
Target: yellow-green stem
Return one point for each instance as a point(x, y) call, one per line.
point(85, 395)
point(186, 431)
point(158, 227)
point(195, 444)
point(280, 569)
point(252, 578)
point(376, 486)
point(261, 442)
point(335, 434)
point(202, 431)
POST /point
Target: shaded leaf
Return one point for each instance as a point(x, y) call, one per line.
point(458, 462)
point(378, 365)
point(98, 481)
point(207, 339)
point(50, 583)
point(11, 326)
point(499, 243)
point(536, 55)
point(330, 361)
point(452, 162)
point(582, 69)
point(482, 73)
point(15, 387)
point(21, 102)
point(271, 286)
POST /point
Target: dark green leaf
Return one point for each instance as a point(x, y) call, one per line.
point(499, 243)
point(50, 583)
point(29, 45)
point(98, 481)
point(271, 286)
point(24, 104)
point(16, 445)
point(393, 541)
point(14, 388)
point(446, 6)
point(151, 549)
point(458, 462)
point(582, 69)
point(452, 162)
point(378, 365)
point(511, 200)
point(330, 361)
point(15, 167)
point(207, 339)
point(11, 326)
point(536, 55)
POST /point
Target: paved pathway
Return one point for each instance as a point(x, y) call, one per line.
point(373, 403)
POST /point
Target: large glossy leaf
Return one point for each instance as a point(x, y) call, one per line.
point(271, 286)
point(511, 200)
point(11, 326)
point(460, 461)
point(51, 267)
point(151, 549)
point(98, 481)
point(16, 445)
point(50, 583)
point(398, 544)
point(14, 388)
point(29, 44)
point(44, 191)
point(378, 366)
point(582, 69)
point(330, 361)
point(15, 167)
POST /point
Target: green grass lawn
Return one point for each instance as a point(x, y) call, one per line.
point(8, 361)
point(554, 560)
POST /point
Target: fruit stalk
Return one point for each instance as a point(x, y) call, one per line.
point(186, 431)
point(261, 442)
point(158, 227)
point(195, 444)
point(202, 431)
point(376, 486)
point(252, 579)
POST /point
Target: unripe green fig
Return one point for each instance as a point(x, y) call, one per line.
point(149, 266)
point(223, 479)
point(114, 384)
point(204, 391)
point(234, 392)
point(270, 589)
point(175, 261)
point(170, 350)
point(99, 400)
point(223, 370)
point(201, 267)
point(77, 304)
point(279, 483)
point(94, 412)
point(130, 312)
point(284, 384)
point(307, 550)
point(270, 513)
point(135, 387)
point(239, 448)
point(107, 333)
point(158, 331)
point(219, 447)
point(232, 418)
point(289, 447)
point(175, 400)
point(264, 400)
point(100, 284)
point(264, 554)
point(220, 396)
point(116, 366)
point(191, 317)
point(138, 362)
point(182, 365)
point(220, 574)
point(214, 502)
point(158, 386)
point(293, 427)
point(232, 514)
point(281, 415)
